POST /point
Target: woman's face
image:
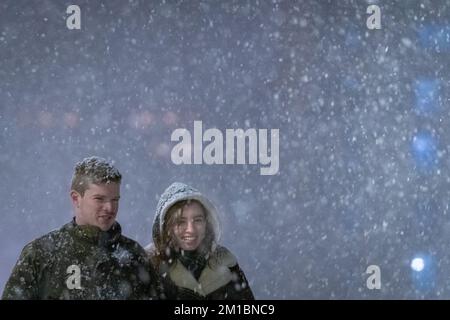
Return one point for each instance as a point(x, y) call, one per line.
point(190, 228)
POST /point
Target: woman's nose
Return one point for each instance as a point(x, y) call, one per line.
point(190, 226)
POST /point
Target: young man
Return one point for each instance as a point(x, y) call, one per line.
point(88, 258)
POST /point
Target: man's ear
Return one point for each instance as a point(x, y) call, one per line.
point(75, 196)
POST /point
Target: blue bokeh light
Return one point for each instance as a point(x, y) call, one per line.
point(435, 37)
point(424, 149)
point(427, 96)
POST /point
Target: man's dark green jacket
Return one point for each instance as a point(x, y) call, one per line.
point(82, 262)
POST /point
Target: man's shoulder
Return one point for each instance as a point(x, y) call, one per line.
point(131, 245)
point(45, 243)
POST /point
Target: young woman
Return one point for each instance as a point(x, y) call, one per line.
point(186, 253)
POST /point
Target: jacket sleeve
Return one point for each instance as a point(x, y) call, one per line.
point(244, 293)
point(156, 288)
point(149, 286)
point(23, 283)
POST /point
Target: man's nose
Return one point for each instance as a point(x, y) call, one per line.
point(108, 206)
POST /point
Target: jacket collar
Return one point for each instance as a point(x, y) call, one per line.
point(93, 234)
point(215, 274)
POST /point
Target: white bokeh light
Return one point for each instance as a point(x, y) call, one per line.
point(417, 264)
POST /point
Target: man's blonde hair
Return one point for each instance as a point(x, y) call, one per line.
point(94, 170)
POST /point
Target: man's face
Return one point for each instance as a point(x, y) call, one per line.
point(190, 228)
point(99, 205)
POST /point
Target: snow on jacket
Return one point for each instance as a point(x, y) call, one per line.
point(108, 266)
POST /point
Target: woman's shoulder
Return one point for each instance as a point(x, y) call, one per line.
point(150, 249)
point(152, 253)
point(222, 256)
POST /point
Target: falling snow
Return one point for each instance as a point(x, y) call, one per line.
point(364, 176)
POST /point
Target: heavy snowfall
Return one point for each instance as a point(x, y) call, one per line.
point(363, 118)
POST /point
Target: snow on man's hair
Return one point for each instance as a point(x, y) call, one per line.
point(93, 170)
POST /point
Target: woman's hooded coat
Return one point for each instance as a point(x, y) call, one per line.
point(221, 278)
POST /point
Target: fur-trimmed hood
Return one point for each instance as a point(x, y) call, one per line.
point(178, 191)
